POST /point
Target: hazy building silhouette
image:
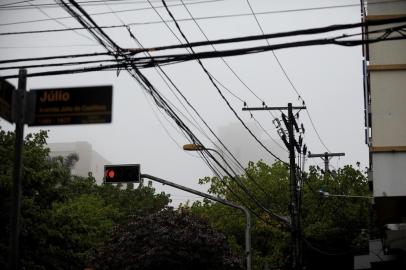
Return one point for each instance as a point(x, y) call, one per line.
point(89, 160)
point(245, 148)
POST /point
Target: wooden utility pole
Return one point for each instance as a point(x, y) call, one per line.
point(326, 157)
point(292, 145)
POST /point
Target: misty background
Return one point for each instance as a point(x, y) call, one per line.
point(328, 78)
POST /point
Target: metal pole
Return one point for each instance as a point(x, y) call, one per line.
point(19, 111)
point(248, 254)
point(220, 200)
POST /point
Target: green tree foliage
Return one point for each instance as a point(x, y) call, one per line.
point(331, 226)
point(166, 240)
point(64, 217)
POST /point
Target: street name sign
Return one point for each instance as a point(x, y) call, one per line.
point(6, 99)
point(69, 106)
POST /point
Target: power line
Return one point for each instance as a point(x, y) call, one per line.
point(177, 58)
point(48, 46)
point(101, 13)
point(226, 63)
point(140, 78)
point(97, 33)
point(283, 69)
point(82, 3)
point(19, 2)
point(58, 64)
point(267, 133)
point(241, 39)
point(189, 19)
point(169, 87)
point(218, 89)
point(143, 62)
point(58, 22)
point(199, 114)
point(309, 31)
point(54, 57)
point(179, 121)
point(240, 184)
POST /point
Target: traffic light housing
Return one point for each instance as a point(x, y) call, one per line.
point(124, 173)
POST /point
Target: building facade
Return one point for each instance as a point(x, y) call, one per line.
point(385, 118)
point(89, 160)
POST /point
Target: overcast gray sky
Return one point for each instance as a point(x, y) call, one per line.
point(328, 78)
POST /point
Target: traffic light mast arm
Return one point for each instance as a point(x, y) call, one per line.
point(219, 200)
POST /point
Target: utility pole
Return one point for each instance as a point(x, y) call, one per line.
point(292, 145)
point(326, 157)
point(19, 118)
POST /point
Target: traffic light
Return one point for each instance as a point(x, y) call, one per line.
point(124, 173)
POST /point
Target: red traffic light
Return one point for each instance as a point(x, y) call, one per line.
point(110, 173)
point(126, 173)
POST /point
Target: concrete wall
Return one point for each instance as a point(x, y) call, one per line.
point(389, 174)
point(388, 107)
point(387, 52)
point(385, 7)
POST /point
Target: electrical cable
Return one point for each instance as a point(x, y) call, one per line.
point(107, 42)
point(167, 84)
point(48, 46)
point(171, 59)
point(159, 120)
point(60, 23)
point(309, 31)
point(219, 164)
point(58, 64)
point(218, 89)
point(249, 38)
point(14, 3)
point(167, 59)
point(214, 17)
point(240, 184)
point(201, 119)
point(193, 108)
point(226, 63)
point(282, 68)
point(54, 57)
point(146, 84)
point(94, 3)
point(102, 13)
point(269, 135)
